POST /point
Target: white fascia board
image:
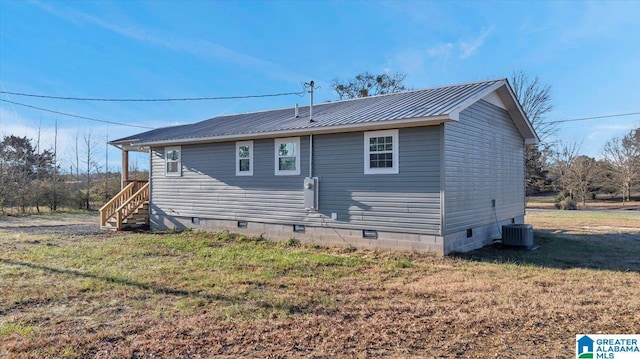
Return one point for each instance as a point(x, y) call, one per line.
point(512, 106)
point(477, 97)
point(129, 146)
point(368, 126)
point(519, 115)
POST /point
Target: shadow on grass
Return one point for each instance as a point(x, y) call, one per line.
point(280, 306)
point(609, 251)
point(116, 280)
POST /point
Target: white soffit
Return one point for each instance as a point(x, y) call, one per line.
point(494, 99)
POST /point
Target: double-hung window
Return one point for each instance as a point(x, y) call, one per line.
point(381, 152)
point(244, 158)
point(287, 156)
point(173, 162)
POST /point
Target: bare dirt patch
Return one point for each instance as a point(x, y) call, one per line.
point(59, 223)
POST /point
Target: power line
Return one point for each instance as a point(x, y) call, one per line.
point(151, 99)
point(76, 116)
point(595, 117)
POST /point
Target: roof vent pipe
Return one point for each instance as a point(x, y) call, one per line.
point(310, 85)
point(311, 102)
point(296, 111)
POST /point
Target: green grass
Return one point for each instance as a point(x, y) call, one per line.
point(21, 329)
point(200, 268)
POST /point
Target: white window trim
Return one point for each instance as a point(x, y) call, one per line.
point(276, 145)
point(250, 171)
point(396, 158)
point(166, 151)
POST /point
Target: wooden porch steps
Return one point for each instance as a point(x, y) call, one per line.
point(129, 209)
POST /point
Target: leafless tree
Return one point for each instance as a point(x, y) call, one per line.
point(564, 156)
point(623, 154)
point(581, 176)
point(91, 166)
point(38, 165)
point(535, 99)
point(54, 201)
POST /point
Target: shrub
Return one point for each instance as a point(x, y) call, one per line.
point(292, 242)
point(564, 201)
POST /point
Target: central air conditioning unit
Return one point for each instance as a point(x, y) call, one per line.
point(517, 235)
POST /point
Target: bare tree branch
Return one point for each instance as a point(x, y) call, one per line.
point(367, 84)
point(535, 99)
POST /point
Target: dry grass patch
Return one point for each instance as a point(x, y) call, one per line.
point(204, 295)
point(586, 222)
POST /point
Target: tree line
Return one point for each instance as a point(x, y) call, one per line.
point(578, 178)
point(32, 180)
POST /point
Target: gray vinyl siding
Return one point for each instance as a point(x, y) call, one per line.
point(484, 160)
point(407, 202)
point(209, 187)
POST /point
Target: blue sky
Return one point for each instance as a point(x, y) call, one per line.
point(589, 52)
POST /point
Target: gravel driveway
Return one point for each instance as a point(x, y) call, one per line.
point(58, 223)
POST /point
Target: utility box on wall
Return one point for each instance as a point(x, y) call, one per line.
point(311, 193)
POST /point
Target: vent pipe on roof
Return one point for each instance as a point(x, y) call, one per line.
point(296, 111)
point(310, 84)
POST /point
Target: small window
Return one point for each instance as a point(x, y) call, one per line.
point(242, 224)
point(298, 228)
point(172, 161)
point(287, 156)
point(381, 152)
point(244, 158)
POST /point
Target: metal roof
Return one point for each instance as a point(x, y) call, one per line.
point(428, 105)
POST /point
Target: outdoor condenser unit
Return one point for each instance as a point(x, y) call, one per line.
point(517, 235)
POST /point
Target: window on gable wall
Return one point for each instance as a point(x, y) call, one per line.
point(287, 156)
point(381, 152)
point(244, 158)
point(172, 157)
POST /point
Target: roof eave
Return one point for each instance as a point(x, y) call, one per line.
point(368, 126)
point(517, 113)
point(507, 95)
point(129, 145)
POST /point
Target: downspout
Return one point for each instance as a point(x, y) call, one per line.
point(310, 155)
point(311, 84)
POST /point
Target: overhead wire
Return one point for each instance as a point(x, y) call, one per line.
point(76, 116)
point(595, 117)
point(51, 97)
point(151, 99)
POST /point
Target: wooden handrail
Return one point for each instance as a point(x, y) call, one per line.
point(131, 204)
point(109, 209)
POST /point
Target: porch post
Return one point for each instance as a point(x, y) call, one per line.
point(125, 168)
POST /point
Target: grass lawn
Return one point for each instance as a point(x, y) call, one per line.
point(203, 295)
